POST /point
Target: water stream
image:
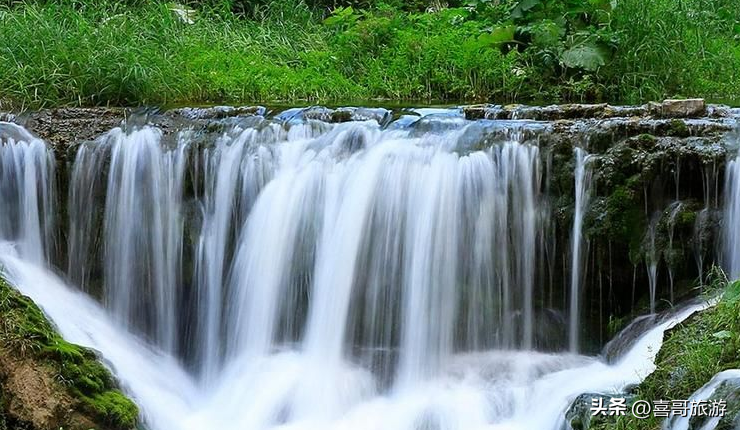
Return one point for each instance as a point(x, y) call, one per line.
point(582, 194)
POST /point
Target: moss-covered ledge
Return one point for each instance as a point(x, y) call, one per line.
point(693, 352)
point(47, 383)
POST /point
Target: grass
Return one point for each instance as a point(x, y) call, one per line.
point(681, 47)
point(25, 332)
point(80, 52)
point(692, 353)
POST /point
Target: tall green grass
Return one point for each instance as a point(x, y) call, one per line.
point(85, 52)
point(676, 48)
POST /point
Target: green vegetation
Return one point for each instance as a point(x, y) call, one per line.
point(25, 332)
point(692, 353)
point(89, 52)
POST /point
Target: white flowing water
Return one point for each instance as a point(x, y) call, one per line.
point(482, 390)
point(582, 195)
point(339, 277)
point(26, 192)
point(731, 221)
point(652, 257)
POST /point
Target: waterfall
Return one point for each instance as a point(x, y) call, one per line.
point(731, 220)
point(315, 235)
point(26, 193)
point(290, 273)
point(142, 224)
point(582, 175)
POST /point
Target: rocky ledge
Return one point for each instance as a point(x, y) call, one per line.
point(684, 108)
point(66, 126)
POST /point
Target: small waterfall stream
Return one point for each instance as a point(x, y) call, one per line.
point(732, 219)
point(26, 192)
point(582, 191)
point(303, 275)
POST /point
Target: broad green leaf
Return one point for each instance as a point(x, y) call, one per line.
point(546, 34)
point(498, 35)
point(732, 292)
point(523, 6)
point(603, 4)
point(586, 56)
point(341, 15)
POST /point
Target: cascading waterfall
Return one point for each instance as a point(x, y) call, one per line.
point(142, 228)
point(326, 236)
point(309, 276)
point(582, 192)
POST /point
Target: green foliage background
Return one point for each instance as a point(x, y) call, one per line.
point(86, 52)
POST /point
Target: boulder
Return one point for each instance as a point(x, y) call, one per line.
point(684, 108)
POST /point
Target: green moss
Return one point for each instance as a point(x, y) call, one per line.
point(678, 128)
point(26, 332)
point(618, 218)
point(114, 407)
point(646, 138)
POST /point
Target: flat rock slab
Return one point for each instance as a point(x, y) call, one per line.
point(689, 108)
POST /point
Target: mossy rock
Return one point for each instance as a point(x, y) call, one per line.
point(83, 390)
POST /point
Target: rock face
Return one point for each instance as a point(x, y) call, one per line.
point(47, 383)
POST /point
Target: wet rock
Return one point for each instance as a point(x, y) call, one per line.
point(7, 117)
point(318, 113)
point(343, 114)
point(476, 112)
point(552, 112)
point(379, 115)
point(218, 112)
